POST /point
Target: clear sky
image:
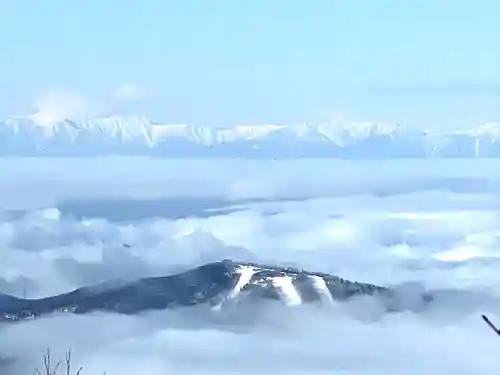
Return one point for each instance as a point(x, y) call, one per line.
point(422, 62)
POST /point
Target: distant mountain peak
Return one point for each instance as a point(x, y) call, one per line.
point(38, 135)
point(218, 285)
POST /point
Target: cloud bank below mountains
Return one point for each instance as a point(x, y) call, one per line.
point(430, 224)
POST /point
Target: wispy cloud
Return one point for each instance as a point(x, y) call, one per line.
point(132, 92)
point(448, 88)
point(60, 104)
point(57, 105)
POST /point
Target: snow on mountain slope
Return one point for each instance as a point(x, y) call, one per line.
point(221, 286)
point(134, 135)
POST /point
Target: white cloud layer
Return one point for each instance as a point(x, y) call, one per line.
point(432, 223)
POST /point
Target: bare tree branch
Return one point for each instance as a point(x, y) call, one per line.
point(50, 369)
point(490, 324)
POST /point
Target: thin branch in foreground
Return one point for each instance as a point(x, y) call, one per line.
point(68, 364)
point(50, 369)
point(490, 324)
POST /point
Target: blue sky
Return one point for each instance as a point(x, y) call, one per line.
point(426, 63)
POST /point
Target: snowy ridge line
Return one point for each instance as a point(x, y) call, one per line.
point(135, 135)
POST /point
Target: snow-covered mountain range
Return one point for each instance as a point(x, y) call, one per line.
point(134, 135)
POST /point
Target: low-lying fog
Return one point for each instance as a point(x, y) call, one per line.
point(434, 223)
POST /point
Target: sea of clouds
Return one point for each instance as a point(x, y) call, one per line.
point(432, 224)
